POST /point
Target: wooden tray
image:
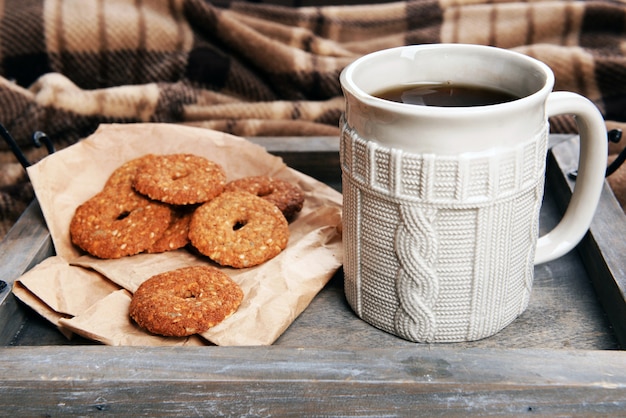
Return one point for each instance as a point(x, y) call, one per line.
point(562, 356)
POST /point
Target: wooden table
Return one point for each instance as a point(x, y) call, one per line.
point(562, 356)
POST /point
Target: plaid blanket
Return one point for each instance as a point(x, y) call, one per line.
point(256, 69)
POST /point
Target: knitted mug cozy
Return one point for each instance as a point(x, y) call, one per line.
point(440, 248)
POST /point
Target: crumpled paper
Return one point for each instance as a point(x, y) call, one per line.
point(275, 292)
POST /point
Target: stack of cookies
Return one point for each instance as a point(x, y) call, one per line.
point(158, 203)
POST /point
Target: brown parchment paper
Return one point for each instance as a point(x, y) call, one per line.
point(41, 308)
point(275, 293)
point(76, 289)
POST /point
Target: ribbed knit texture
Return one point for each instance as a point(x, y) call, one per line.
point(440, 248)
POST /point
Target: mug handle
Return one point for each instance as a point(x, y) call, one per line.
point(589, 181)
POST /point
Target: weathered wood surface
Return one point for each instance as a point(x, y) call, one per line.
point(25, 245)
point(559, 357)
point(278, 381)
point(607, 237)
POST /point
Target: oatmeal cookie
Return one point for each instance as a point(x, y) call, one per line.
point(124, 175)
point(113, 224)
point(185, 301)
point(288, 197)
point(177, 233)
point(180, 179)
point(239, 229)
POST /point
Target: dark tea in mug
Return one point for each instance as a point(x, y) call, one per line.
point(445, 95)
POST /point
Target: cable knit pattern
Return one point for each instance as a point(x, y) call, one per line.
point(417, 286)
point(440, 248)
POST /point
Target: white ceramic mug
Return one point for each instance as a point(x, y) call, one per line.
point(441, 204)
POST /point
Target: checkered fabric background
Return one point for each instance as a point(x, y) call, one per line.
point(259, 69)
